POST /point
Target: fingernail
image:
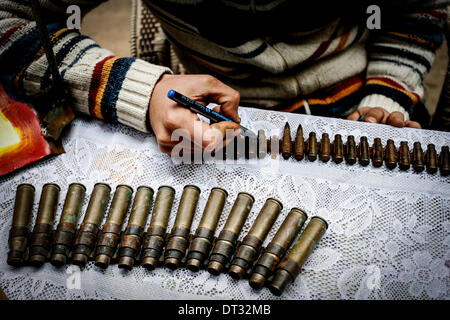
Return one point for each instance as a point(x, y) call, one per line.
point(239, 119)
point(371, 120)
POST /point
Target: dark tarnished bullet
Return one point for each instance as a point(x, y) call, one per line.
point(325, 148)
point(377, 153)
point(299, 145)
point(431, 159)
point(110, 235)
point(312, 147)
point(274, 252)
point(404, 156)
point(156, 233)
point(18, 234)
point(337, 149)
point(390, 155)
point(249, 249)
point(226, 242)
point(65, 232)
point(86, 237)
point(444, 161)
point(291, 265)
point(262, 144)
point(203, 238)
point(286, 142)
point(40, 243)
point(178, 239)
point(418, 158)
point(350, 150)
point(363, 152)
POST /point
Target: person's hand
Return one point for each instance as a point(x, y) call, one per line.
point(166, 115)
point(381, 115)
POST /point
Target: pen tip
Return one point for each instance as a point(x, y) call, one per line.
point(170, 93)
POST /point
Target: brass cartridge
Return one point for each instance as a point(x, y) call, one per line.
point(226, 242)
point(131, 240)
point(86, 237)
point(40, 243)
point(350, 150)
point(249, 249)
point(299, 145)
point(262, 144)
point(444, 161)
point(390, 155)
point(418, 158)
point(178, 239)
point(286, 142)
point(312, 147)
point(363, 152)
point(291, 265)
point(156, 233)
point(201, 243)
point(337, 149)
point(404, 161)
point(274, 252)
point(431, 159)
point(18, 234)
point(325, 148)
point(377, 153)
point(110, 235)
point(65, 232)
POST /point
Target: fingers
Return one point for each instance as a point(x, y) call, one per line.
point(354, 116)
point(413, 124)
point(396, 119)
point(376, 115)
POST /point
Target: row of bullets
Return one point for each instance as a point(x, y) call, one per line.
point(274, 266)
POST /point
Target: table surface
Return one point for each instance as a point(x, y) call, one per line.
point(388, 236)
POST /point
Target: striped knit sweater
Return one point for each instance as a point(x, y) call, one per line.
point(278, 53)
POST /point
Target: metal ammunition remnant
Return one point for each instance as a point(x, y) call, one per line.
point(364, 152)
point(418, 158)
point(390, 155)
point(156, 233)
point(274, 146)
point(226, 242)
point(201, 243)
point(291, 265)
point(404, 161)
point(131, 241)
point(65, 232)
point(444, 161)
point(86, 237)
point(18, 234)
point(178, 239)
point(377, 153)
point(274, 252)
point(251, 147)
point(286, 142)
point(431, 159)
point(40, 242)
point(239, 147)
point(249, 249)
point(262, 144)
point(312, 147)
point(337, 149)
point(350, 150)
point(299, 145)
point(325, 148)
point(110, 235)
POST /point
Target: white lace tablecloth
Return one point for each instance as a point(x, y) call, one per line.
point(389, 233)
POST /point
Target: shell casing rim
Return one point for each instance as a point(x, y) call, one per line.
point(167, 187)
point(322, 219)
point(103, 184)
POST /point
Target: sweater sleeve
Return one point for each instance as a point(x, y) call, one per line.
point(103, 85)
point(401, 54)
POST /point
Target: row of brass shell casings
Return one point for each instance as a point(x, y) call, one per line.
point(275, 250)
point(110, 234)
point(292, 263)
point(250, 246)
point(202, 240)
point(225, 244)
point(130, 243)
point(66, 229)
point(178, 238)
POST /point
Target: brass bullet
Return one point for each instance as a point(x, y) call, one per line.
point(404, 156)
point(337, 149)
point(377, 153)
point(418, 158)
point(350, 150)
point(390, 155)
point(262, 144)
point(363, 152)
point(286, 142)
point(444, 161)
point(312, 146)
point(325, 148)
point(299, 145)
point(431, 159)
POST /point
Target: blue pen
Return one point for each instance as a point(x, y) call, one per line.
point(204, 111)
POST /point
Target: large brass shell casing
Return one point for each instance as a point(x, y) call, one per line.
point(325, 148)
point(40, 243)
point(201, 243)
point(431, 159)
point(18, 234)
point(418, 157)
point(364, 152)
point(299, 144)
point(390, 155)
point(350, 150)
point(377, 153)
point(337, 149)
point(444, 161)
point(179, 236)
point(110, 235)
point(249, 249)
point(274, 252)
point(290, 266)
point(226, 242)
